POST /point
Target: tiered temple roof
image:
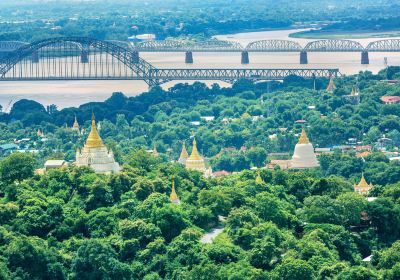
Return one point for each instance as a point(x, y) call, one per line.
point(363, 187)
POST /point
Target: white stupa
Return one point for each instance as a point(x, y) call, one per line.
point(304, 156)
point(95, 154)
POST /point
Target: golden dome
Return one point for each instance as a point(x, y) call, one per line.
point(184, 153)
point(94, 140)
point(173, 197)
point(195, 161)
point(195, 153)
point(303, 137)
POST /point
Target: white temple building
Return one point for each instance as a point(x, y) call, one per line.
point(304, 156)
point(95, 154)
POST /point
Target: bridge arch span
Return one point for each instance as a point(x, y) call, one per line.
point(124, 55)
point(334, 45)
point(273, 46)
point(386, 45)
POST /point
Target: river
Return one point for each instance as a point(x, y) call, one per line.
point(74, 93)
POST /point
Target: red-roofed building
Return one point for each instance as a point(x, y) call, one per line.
point(221, 173)
point(300, 121)
point(390, 99)
point(364, 148)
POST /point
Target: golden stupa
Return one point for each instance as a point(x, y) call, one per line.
point(75, 126)
point(173, 197)
point(331, 86)
point(184, 155)
point(195, 161)
point(304, 155)
point(303, 137)
point(363, 187)
point(95, 154)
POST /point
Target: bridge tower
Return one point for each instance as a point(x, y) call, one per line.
point(303, 57)
point(245, 57)
point(364, 57)
point(135, 56)
point(35, 57)
point(84, 56)
point(189, 57)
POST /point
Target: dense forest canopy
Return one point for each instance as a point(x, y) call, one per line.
point(72, 223)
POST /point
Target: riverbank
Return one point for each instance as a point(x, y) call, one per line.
point(320, 34)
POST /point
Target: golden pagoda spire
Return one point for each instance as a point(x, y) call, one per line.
point(195, 153)
point(259, 180)
point(94, 140)
point(184, 153)
point(331, 86)
point(303, 137)
point(173, 197)
point(76, 124)
point(363, 183)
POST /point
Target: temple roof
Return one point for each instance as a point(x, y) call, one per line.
point(195, 153)
point(363, 183)
point(94, 140)
point(303, 137)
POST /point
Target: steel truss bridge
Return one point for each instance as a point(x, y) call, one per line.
point(330, 45)
point(78, 58)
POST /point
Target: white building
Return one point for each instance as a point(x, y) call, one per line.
point(304, 156)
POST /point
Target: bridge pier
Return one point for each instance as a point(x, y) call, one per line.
point(303, 57)
point(35, 57)
point(189, 57)
point(364, 57)
point(245, 57)
point(135, 57)
point(84, 56)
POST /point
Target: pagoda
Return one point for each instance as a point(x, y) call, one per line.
point(354, 96)
point(184, 155)
point(304, 156)
point(363, 187)
point(196, 162)
point(95, 154)
point(331, 86)
point(173, 197)
point(75, 126)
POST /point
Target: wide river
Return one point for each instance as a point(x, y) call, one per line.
point(74, 93)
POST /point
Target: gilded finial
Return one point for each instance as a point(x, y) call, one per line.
point(303, 137)
point(94, 140)
point(195, 153)
point(173, 197)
